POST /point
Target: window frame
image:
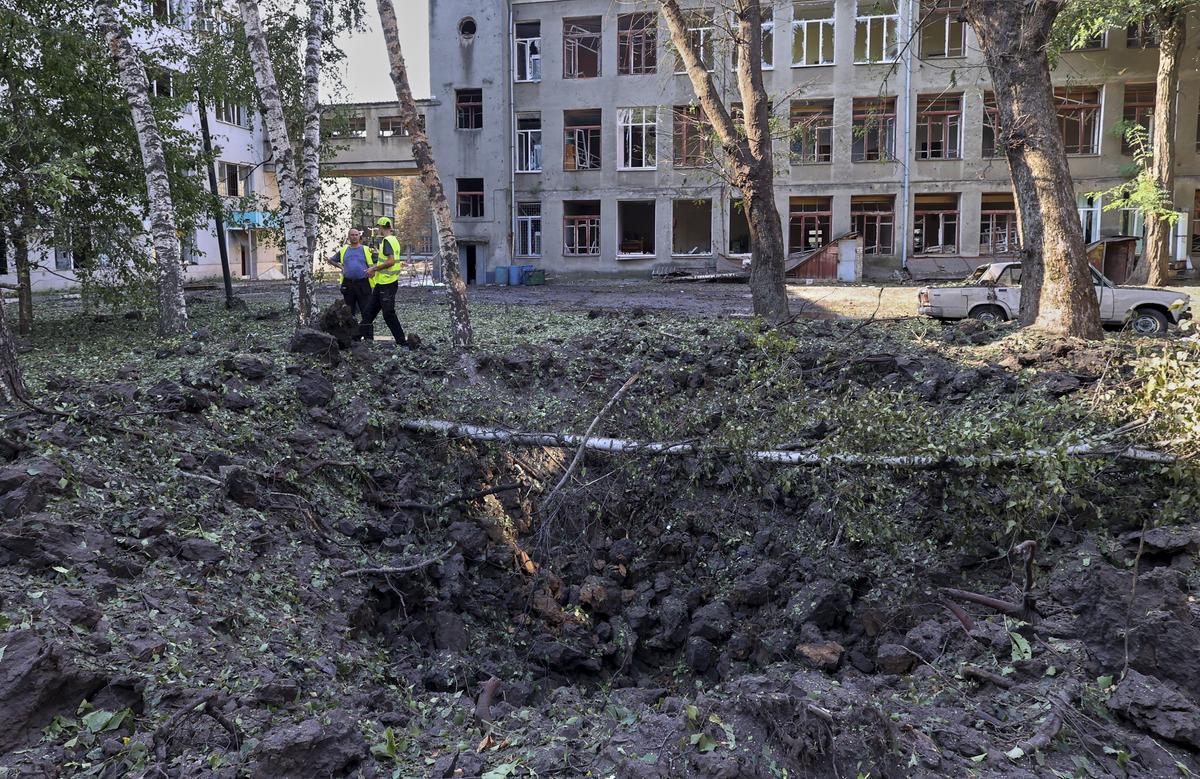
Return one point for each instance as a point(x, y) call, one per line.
point(805, 119)
point(864, 220)
point(475, 199)
point(1064, 93)
point(631, 122)
point(528, 147)
point(944, 217)
point(993, 221)
point(705, 35)
point(945, 13)
point(991, 121)
point(800, 26)
point(471, 111)
point(687, 131)
point(588, 224)
point(588, 132)
point(934, 114)
point(529, 229)
point(766, 38)
point(221, 109)
point(881, 123)
point(636, 41)
point(1138, 111)
point(816, 211)
point(524, 53)
point(864, 23)
point(573, 42)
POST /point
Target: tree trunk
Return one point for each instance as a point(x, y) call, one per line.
point(20, 241)
point(291, 194)
point(1156, 257)
point(460, 318)
point(3, 251)
point(311, 151)
point(172, 309)
point(750, 156)
point(218, 211)
point(10, 371)
point(1014, 39)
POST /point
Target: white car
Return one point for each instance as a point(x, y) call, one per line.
point(993, 294)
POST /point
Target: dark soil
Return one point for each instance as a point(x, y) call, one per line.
point(222, 557)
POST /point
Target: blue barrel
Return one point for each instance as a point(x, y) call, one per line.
point(514, 275)
point(502, 275)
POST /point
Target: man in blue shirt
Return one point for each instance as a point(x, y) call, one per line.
point(355, 260)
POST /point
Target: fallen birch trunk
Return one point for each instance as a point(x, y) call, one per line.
point(910, 461)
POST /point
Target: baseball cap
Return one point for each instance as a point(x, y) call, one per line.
point(384, 221)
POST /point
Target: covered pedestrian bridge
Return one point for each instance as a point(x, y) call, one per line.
point(368, 140)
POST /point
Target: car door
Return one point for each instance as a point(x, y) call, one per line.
point(1008, 289)
point(1105, 298)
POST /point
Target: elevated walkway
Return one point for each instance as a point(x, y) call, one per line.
point(374, 143)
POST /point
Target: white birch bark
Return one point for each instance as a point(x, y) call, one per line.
point(460, 319)
point(311, 152)
point(172, 309)
point(291, 194)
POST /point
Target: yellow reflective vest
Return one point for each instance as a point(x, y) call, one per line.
point(366, 253)
point(392, 274)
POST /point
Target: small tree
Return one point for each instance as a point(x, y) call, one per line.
point(1056, 291)
point(11, 384)
point(461, 334)
point(748, 149)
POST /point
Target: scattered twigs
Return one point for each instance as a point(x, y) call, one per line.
point(199, 477)
point(1026, 610)
point(1060, 701)
point(203, 704)
point(464, 497)
point(1014, 610)
point(1029, 550)
point(587, 436)
point(868, 320)
point(388, 570)
point(981, 675)
point(319, 464)
point(779, 457)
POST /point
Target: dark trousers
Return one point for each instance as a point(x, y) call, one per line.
point(383, 298)
point(357, 294)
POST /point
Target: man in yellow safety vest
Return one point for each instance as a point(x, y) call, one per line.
point(356, 263)
point(385, 280)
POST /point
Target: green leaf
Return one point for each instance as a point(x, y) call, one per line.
point(650, 758)
point(1016, 753)
point(501, 771)
point(979, 758)
point(97, 721)
point(1020, 647)
point(706, 743)
point(1104, 682)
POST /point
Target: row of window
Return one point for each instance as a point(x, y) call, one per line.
point(935, 225)
point(939, 125)
point(941, 34)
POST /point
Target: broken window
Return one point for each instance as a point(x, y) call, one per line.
point(691, 227)
point(72, 248)
point(356, 127)
point(1089, 216)
point(935, 224)
point(232, 113)
point(1133, 223)
point(693, 143)
point(874, 218)
point(529, 229)
point(638, 135)
point(581, 140)
point(809, 220)
point(1079, 118)
point(939, 124)
point(812, 34)
point(998, 225)
point(637, 44)
point(233, 180)
point(767, 39)
point(812, 131)
point(1196, 224)
point(581, 47)
point(1142, 35)
point(991, 127)
point(581, 227)
point(701, 36)
point(529, 143)
point(470, 198)
point(874, 129)
point(739, 227)
point(943, 29)
point(1139, 110)
point(635, 226)
point(528, 56)
point(1094, 43)
point(162, 11)
point(875, 32)
point(468, 108)
point(162, 81)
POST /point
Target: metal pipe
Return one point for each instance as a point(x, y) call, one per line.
point(512, 138)
point(906, 156)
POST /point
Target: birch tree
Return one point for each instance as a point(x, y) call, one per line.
point(290, 191)
point(751, 164)
point(311, 151)
point(460, 318)
point(12, 388)
point(1056, 291)
point(172, 309)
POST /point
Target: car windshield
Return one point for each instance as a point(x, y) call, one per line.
point(977, 275)
point(991, 274)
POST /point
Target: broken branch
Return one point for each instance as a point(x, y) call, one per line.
point(587, 436)
point(466, 496)
point(384, 571)
point(203, 704)
point(1002, 606)
point(779, 457)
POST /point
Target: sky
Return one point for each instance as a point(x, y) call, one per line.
point(366, 70)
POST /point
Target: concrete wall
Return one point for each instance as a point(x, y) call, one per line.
point(484, 61)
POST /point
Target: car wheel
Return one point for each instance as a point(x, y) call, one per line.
point(989, 314)
point(1147, 321)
